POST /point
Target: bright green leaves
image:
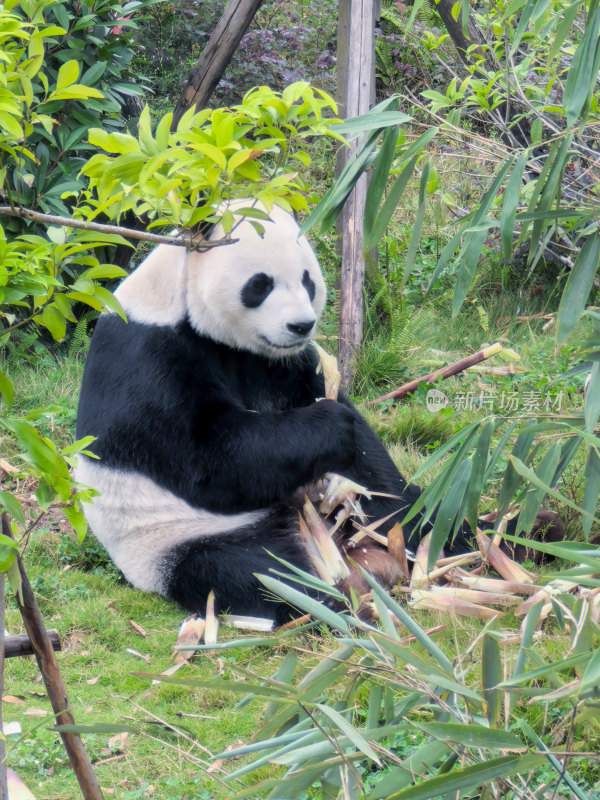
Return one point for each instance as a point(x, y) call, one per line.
point(181, 177)
point(578, 287)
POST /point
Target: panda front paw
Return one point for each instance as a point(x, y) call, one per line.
point(338, 435)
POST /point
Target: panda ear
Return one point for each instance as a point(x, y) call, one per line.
point(155, 292)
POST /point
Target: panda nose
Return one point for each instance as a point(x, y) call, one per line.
point(301, 328)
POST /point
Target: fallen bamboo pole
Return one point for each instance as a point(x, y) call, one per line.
point(444, 372)
point(20, 644)
point(55, 688)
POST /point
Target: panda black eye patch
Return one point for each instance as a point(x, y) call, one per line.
point(256, 289)
point(309, 285)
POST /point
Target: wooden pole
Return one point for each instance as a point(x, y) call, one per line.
point(3, 774)
point(356, 61)
point(216, 56)
point(55, 688)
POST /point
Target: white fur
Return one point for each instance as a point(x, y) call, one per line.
point(138, 521)
point(172, 283)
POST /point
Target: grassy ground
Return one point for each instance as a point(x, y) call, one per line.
point(82, 596)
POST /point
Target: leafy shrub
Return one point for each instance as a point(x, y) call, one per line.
point(80, 41)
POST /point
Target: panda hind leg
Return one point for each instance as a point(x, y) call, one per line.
point(227, 564)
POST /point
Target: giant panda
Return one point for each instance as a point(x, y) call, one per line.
point(209, 420)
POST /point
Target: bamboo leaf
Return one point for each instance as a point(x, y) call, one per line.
point(581, 79)
point(533, 499)
point(578, 287)
point(530, 627)
point(592, 399)
point(474, 239)
point(420, 761)
point(472, 735)
point(469, 777)
point(491, 673)
point(571, 551)
point(378, 180)
point(522, 26)
point(411, 625)
point(413, 245)
point(478, 473)
point(350, 731)
point(389, 205)
point(591, 492)
point(306, 603)
point(510, 203)
point(530, 475)
point(447, 512)
point(512, 479)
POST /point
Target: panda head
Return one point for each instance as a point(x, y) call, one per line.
point(263, 294)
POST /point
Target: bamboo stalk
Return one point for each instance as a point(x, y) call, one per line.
point(55, 688)
point(444, 372)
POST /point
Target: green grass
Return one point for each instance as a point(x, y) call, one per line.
point(91, 609)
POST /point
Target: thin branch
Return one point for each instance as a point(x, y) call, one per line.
point(191, 240)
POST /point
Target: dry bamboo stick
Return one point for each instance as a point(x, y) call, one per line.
point(428, 600)
point(444, 372)
point(492, 584)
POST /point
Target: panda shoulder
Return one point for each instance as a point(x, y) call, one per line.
point(155, 292)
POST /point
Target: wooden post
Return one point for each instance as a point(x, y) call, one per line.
point(3, 775)
point(356, 65)
point(216, 56)
point(55, 688)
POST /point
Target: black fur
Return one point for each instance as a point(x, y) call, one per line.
point(228, 431)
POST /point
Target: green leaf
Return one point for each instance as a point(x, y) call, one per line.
point(307, 604)
point(350, 731)
point(591, 492)
point(478, 473)
point(491, 674)
point(510, 203)
point(474, 240)
point(52, 319)
point(531, 476)
point(583, 71)
point(104, 728)
point(592, 399)
point(378, 180)
point(67, 75)
point(571, 551)
point(578, 287)
point(534, 497)
point(413, 245)
point(10, 503)
point(447, 511)
point(272, 692)
point(469, 777)
point(6, 389)
point(411, 625)
point(472, 735)
point(421, 761)
point(512, 479)
point(374, 234)
point(529, 629)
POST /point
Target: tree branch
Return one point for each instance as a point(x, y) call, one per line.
point(189, 240)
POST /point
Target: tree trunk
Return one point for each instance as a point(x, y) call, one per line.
point(216, 56)
point(356, 65)
point(3, 786)
point(455, 29)
point(55, 688)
